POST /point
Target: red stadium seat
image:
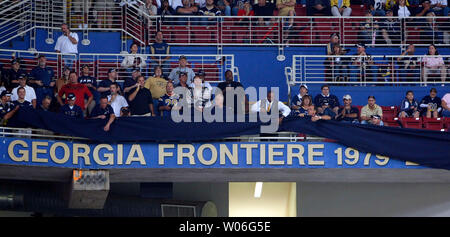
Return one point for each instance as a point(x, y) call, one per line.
point(204, 34)
point(261, 34)
point(433, 123)
point(103, 67)
point(300, 9)
point(393, 122)
point(447, 123)
point(389, 112)
point(211, 71)
point(358, 10)
point(323, 28)
point(181, 35)
point(411, 122)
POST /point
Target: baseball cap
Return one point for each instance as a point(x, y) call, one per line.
point(201, 73)
point(303, 85)
point(347, 97)
point(4, 93)
point(183, 73)
point(136, 69)
point(433, 89)
point(182, 57)
point(15, 61)
point(22, 76)
point(71, 96)
point(111, 70)
point(334, 34)
point(375, 116)
point(361, 45)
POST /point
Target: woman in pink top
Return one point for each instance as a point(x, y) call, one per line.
point(433, 64)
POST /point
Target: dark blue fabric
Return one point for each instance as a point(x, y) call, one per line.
point(429, 148)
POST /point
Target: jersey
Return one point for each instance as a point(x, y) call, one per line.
point(74, 111)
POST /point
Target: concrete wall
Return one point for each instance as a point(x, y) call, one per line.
point(373, 199)
point(215, 192)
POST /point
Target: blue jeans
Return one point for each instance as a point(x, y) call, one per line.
point(227, 11)
point(442, 12)
point(379, 12)
point(446, 113)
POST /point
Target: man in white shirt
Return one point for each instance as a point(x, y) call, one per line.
point(67, 43)
point(30, 94)
point(440, 7)
point(116, 101)
point(265, 105)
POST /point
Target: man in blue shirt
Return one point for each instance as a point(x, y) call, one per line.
point(297, 99)
point(5, 107)
point(349, 113)
point(160, 47)
point(326, 100)
point(105, 112)
point(41, 79)
point(131, 83)
point(104, 85)
point(12, 75)
point(91, 83)
point(71, 109)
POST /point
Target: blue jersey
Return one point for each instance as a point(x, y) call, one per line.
point(74, 112)
point(45, 75)
point(160, 48)
point(296, 100)
point(406, 106)
point(434, 102)
point(25, 103)
point(331, 100)
point(167, 100)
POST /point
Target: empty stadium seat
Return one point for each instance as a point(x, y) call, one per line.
point(389, 112)
point(211, 71)
point(411, 122)
point(204, 34)
point(393, 122)
point(433, 123)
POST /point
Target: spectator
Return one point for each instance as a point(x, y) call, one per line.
point(263, 8)
point(334, 40)
point(247, 11)
point(103, 86)
point(445, 103)
point(390, 29)
point(131, 83)
point(160, 47)
point(209, 10)
point(440, 7)
point(79, 90)
point(148, 8)
point(165, 10)
point(30, 93)
point(45, 104)
point(409, 106)
point(168, 101)
point(348, 113)
point(315, 115)
point(5, 107)
point(376, 7)
point(224, 6)
point(63, 80)
point(368, 29)
point(134, 60)
point(228, 86)
point(2, 87)
point(116, 101)
point(403, 10)
point(200, 94)
point(91, 84)
point(199, 3)
point(265, 105)
point(362, 64)
point(13, 74)
point(341, 8)
point(425, 9)
point(20, 101)
point(376, 120)
point(321, 7)
point(67, 44)
point(297, 99)
point(370, 109)
point(433, 64)
point(140, 98)
point(104, 111)
point(409, 68)
point(188, 9)
point(339, 65)
point(103, 8)
point(287, 8)
point(71, 109)
point(201, 74)
point(326, 100)
point(42, 79)
point(430, 105)
point(175, 73)
point(302, 110)
point(156, 84)
point(238, 5)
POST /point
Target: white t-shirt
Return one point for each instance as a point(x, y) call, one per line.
point(30, 95)
point(403, 12)
point(117, 104)
point(64, 45)
point(174, 4)
point(256, 107)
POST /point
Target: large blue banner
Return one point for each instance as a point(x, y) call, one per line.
point(32, 152)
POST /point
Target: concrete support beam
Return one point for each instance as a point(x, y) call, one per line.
point(89, 189)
